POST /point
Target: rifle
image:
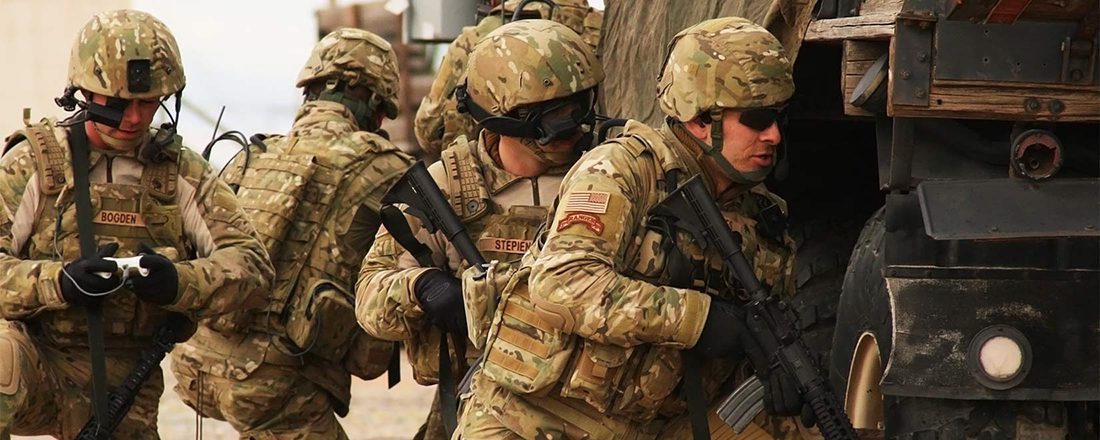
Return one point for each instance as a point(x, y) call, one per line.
point(769, 319)
point(426, 201)
point(165, 337)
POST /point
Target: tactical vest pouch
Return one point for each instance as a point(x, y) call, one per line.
point(526, 355)
point(481, 297)
point(623, 382)
point(270, 192)
point(324, 323)
point(368, 357)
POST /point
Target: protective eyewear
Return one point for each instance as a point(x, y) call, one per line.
point(762, 118)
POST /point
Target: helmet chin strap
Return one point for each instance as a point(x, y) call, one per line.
point(714, 150)
point(553, 159)
point(119, 144)
point(363, 111)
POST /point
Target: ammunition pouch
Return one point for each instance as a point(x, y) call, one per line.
point(481, 297)
point(526, 355)
point(322, 322)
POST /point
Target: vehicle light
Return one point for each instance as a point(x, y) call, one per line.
point(999, 357)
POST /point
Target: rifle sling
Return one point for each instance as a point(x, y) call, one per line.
point(78, 143)
point(448, 400)
point(693, 393)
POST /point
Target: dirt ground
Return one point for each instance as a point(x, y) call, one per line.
point(377, 413)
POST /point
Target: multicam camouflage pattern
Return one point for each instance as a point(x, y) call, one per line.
point(49, 395)
point(608, 279)
point(501, 212)
point(333, 176)
point(303, 410)
point(723, 63)
point(359, 58)
point(438, 122)
point(178, 206)
point(103, 48)
point(527, 62)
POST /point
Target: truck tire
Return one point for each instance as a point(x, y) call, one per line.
point(862, 345)
point(863, 328)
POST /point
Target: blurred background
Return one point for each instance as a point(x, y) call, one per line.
point(243, 55)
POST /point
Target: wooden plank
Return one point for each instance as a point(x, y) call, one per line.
point(1006, 101)
point(857, 58)
point(881, 7)
point(858, 66)
point(863, 27)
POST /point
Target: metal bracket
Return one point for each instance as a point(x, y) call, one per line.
point(1079, 60)
point(894, 137)
point(912, 53)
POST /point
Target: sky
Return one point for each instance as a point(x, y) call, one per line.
point(241, 54)
point(244, 55)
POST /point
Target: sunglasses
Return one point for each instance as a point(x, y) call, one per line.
point(760, 119)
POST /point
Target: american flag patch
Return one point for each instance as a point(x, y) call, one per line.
point(587, 201)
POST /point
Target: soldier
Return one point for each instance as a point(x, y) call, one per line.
point(438, 122)
point(148, 196)
point(285, 371)
point(591, 346)
point(531, 85)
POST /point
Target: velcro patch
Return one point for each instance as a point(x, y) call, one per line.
point(505, 245)
point(589, 221)
point(587, 201)
point(119, 218)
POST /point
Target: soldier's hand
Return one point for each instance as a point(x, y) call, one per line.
point(161, 285)
point(781, 396)
point(84, 276)
point(722, 332)
point(440, 296)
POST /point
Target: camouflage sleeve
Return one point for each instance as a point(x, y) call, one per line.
point(429, 124)
point(578, 275)
point(27, 287)
point(385, 303)
point(232, 268)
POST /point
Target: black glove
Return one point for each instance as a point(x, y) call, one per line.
point(162, 284)
point(85, 273)
point(440, 296)
point(722, 332)
point(781, 397)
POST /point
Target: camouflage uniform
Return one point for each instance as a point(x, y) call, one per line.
point(174, 201)
point(589, 345)
point(285, 371)
point(438, 123)
point(502, 211)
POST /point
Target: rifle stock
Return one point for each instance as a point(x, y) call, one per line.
point(426, 201)
point(770, 320)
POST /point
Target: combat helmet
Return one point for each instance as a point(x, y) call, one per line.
point(126, 54)
point(520, 74)
point(350, 57)
point(725, 63)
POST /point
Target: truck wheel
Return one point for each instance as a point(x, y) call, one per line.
point(824, 248)
point(862, 337)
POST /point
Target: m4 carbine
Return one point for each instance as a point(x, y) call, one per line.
point(424, 200)
point(177, 328)
point(770, 320)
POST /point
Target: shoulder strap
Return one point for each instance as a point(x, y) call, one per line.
point(466, 187)
point(50, 158)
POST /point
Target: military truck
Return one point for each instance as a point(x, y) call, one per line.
point(941, 171)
